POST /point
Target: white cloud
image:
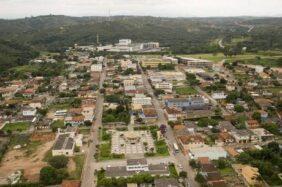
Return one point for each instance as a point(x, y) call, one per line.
point(170, 8)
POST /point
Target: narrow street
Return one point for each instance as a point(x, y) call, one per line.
point(170, 139)
point(88, 170)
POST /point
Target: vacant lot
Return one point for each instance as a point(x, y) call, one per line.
point(29, 159)
point(185, 91)
point(19, 126)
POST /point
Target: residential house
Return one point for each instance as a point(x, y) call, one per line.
point(218, 95)
point(186, 142)
point(226, 138)
point(141, 99)
point(252, 124)
point(264, 103)
point(29, 111)
point(172, 114)
point(166, 86)
point(263, 135)
point(28, 92)
point(74, 120)
point(149, 114)
point(241, 135)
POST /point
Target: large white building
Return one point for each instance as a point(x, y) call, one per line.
point(141, 99)
point(166, 86)
point(124, 42)
point(137, 165)
point(213, 153)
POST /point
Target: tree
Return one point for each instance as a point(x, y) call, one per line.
point(193, 164)
point(183, 174)
point(43, 112)
point(87, 123)
point(239, 108)
point(221, 164)
point(76, 102)
point(244, 158)
point(48, 175)
point(200, 178)
point(274, 146)
point(257, 116)
point(158, 92)
point(163, 129)
point(59, 161)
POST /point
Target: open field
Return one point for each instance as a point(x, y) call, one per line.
point(18, 126)
point(267, 58)
point(185, 91)
point(17, 160)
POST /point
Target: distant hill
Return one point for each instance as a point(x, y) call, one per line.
point(182, 35)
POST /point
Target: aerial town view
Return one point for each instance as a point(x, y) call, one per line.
point(117, 98)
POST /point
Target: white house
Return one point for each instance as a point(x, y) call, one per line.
point(29, 111)
point(219, 95)
point(141, 99)
point(96, 67)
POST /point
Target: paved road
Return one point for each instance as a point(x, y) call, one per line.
point(221, 44)
point(114, 163)
point(88, 170)
point(179, 158)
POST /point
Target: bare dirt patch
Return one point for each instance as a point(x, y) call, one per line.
point(31, 164)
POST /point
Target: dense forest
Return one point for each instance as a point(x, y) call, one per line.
point(21, 39)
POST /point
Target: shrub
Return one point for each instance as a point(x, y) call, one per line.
point(58, 162)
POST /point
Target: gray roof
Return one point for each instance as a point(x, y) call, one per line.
point(63, 142)
point(139, 161)
point(166, 182)
point(120, 171)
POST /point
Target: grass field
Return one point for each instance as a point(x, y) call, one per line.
point(79, 161)
point(105, 151)
point(267, 58)
point(18, 126)
point(161, 148)
point(185, 91)
point(226, 171)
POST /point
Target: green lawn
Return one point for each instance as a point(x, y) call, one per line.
point(161, 148)
point(60, 106)
point(105, 151)
point(57, 124)
point(172, 171)
point(79, 161)
point(268, 58)
point(18, 126)
point(185, 91)
point(84, 131)
point(226, 171)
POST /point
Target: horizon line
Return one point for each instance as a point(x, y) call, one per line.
point(125, 15)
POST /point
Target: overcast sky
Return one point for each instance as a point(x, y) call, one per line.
point(168, 8)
